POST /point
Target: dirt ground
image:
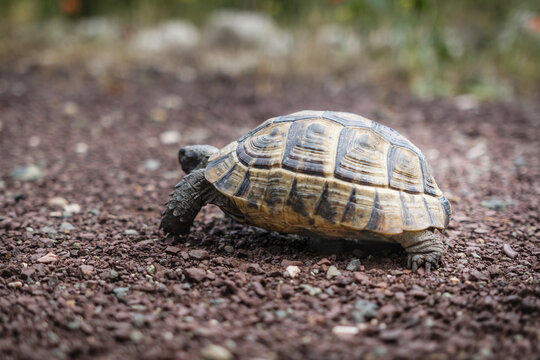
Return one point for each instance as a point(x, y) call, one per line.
point(85, 272)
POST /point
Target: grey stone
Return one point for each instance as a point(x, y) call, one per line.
point(364, 310)
point(65, 226)
point(27, 173)
point(151, 164)
point(494, 204)
point(48, 230)
point(353, 265)
point(120, 292)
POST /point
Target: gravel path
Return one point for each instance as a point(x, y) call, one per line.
point(87, 162)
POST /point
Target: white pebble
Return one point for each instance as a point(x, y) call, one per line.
point(81, 148)
point(215, 352)
point(57, 202)
point(170, 137)
point(293, 271)
point(332, 272)
point(72, 208)
point(344, 330)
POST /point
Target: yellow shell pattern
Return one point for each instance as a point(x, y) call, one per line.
point(330, 174)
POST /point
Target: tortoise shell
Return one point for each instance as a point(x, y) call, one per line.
point(331, 174)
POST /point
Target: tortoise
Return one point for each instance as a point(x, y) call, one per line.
point(327, 174)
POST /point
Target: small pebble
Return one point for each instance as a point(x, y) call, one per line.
point(353, 265)
point(48, 230)
point(511, 253)
point(215, 352)
point(86, 269)
point(195, 274)
point(286, 291)
point(170, 137)
point(113, 274)
point(48, 258)
point(81, 148)
point(71, 108)
point(365, 310)
point(150, 269)
point(65, 226)
point(72, 208)
point(151, 164)
point(229, 249)
point(27, 173)
point(292, 271)
point(15, 284)
point(311, 290)
point(332, 272)
point(120, 292)
point(453, 281)
point(57, 202)
point(73, 325)
point(131, 232)
point(493, 204)
point(136, 336)
point(199, 254)
point(343, 330)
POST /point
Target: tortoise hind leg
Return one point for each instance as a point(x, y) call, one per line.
point(185, 202)
point(422, 247)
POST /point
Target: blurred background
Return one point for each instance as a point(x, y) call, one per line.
point(485, 49)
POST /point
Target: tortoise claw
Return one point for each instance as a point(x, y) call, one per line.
point(429, 260)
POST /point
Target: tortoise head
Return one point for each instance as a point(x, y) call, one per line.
point(195, 157)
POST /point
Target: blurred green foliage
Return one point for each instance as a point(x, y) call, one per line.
point(490, 48)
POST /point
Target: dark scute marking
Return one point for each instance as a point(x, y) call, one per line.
point(296, 137)
point(405, 209)
point(343, 146)
point(446, 208)
point(242, 155)
point(293, 118)
point(426, 206)
point(252, 204)
point(390, 161)
point(428, 181)
point(216, 162)
point(260, 160)
point(351, 204)
point(274, 191)
point(224, 184)
point(377, 215)
point(325, 208)
point(311, 221)
point(293, 137)
point(295, 201)
point(333, 116)
point(244, 186)
point(348, 140)
point(257, 129)
point(273, 197)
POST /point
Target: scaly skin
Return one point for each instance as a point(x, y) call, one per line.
point(422, 247)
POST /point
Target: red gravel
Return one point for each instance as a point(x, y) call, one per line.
point(112, 287)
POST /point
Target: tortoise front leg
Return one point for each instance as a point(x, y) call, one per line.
point(185, 202)
point(422, 247)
